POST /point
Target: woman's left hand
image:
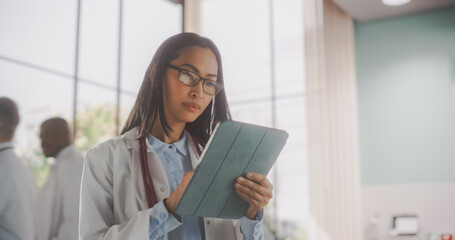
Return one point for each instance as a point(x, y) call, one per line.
point(256, 189)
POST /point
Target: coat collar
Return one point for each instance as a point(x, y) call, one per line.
point(64, 154)
point(6, 145)
point(131, 140)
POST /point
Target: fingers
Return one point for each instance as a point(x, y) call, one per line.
point(248, 198)
point(258, 183)
point(261, 179)
point(254, 190)
point(252, 196)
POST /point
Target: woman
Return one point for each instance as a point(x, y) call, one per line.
point(131, 184)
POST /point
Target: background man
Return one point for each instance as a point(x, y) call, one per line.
point(17, 186)
point(58, 201)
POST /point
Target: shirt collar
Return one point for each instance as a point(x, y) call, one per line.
point(182, 144)
point(160, 147)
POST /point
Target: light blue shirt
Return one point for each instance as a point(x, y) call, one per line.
point(176, 161)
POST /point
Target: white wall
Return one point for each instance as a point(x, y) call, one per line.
point(433, 203)
point(406, 94)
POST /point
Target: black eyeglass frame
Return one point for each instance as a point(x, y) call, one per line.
point(200, 78)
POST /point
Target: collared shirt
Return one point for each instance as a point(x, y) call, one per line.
point(17, 196)
point(176, 161)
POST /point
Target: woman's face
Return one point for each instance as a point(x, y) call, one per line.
point(183, 103)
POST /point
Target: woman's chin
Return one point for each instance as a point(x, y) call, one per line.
point(189, 118)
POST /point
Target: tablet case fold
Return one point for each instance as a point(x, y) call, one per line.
point(234, 149)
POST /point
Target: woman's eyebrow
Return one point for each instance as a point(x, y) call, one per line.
point(197, 70)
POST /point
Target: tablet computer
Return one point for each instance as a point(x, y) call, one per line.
point(233, 150)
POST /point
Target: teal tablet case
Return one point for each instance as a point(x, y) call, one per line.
point(233, 150)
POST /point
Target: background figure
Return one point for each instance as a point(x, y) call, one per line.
point(58, 201)
point(17, 187)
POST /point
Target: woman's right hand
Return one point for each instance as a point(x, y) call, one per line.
point(174, 198)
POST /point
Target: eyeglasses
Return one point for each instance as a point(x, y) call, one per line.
point(192, 79)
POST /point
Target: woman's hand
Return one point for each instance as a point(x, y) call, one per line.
point(256, 189)
point(174, 198)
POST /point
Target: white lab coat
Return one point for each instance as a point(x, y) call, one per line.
point(113, 202)
point(58, 201)
point(17, 197)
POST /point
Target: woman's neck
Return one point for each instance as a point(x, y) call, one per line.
point(174, 135)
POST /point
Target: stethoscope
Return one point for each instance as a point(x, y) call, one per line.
point(146, 176)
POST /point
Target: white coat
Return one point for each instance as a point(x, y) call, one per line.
point(58, 201)
point(113, 202)
point(17, 197)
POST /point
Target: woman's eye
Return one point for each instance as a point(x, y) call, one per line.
point(210, 84)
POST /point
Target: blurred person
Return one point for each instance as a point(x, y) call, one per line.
point(180, 101)
point(17, 186)
point(58, 200)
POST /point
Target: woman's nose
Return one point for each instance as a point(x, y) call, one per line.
point(198, 90)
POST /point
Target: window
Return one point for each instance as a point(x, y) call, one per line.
point(248, 64)
point(37, 64)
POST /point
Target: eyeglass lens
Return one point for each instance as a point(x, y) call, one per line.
point(190, 79)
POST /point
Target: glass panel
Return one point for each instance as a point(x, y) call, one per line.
point(253, 112)
point(96, 116)
point(39, 96)
point(99, 41)
point(146, 25)
point(245, 47)
point(39, 32)
point(126, 105)
point(289, 47)
point(292, 168)
point(258, 113)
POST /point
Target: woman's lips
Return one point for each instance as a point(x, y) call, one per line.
point(191, 107)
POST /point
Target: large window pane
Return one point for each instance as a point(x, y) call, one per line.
point(39, 96)
point(96, 116)
point(240, 29)
point(245, 49)
point(253, 112)
point(292, 169)
point(126, 105)
point(99, 41)
point(39, 32)
point(289, 47)
point(146, 25)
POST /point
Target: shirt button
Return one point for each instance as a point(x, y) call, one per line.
point(256, 233)
point(163, 216)
point(208, 222)
point(171, 147)
point(155, 222)
point(162, 189)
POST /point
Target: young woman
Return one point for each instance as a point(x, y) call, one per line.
point(131, 184)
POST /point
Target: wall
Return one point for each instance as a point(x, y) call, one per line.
point(406, 94)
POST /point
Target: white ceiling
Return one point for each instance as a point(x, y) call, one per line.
point(367, 10)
